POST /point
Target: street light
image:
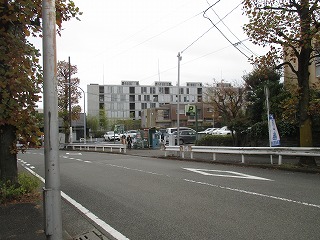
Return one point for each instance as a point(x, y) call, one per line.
point(84, 111)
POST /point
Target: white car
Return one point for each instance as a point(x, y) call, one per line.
point(132, 133)
point(222, 131)
point(111, 136)
point(208, 131)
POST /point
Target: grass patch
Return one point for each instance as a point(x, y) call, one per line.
point(25, 190)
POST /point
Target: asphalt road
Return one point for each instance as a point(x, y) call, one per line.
point(149, 198)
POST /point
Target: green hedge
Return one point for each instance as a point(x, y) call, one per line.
point(215, 140)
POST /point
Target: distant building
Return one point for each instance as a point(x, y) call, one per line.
point(314, 70)
point(166, 116)
point(130, 99)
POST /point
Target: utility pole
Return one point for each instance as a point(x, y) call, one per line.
point(69, 92)
point(52, 194)
point(178, 102)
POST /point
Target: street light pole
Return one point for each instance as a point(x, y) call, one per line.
point(84, 113)
point(84, 110)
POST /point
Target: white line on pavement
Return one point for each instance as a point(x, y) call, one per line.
point(254, 193)
point(117, 235)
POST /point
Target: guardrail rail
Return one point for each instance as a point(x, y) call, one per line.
point(96, 147)
point(278, 151)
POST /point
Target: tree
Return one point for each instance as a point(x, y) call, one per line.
point(64, 86)
point(21, 76)
point(291, 27)
point(229, 107)
point(255, 83)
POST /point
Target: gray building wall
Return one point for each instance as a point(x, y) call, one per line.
point(130, 98)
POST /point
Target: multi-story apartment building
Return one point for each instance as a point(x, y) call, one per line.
point(130, 99)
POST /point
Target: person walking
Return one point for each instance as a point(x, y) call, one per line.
point(129, 141)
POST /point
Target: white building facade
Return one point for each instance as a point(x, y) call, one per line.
point(128, 100)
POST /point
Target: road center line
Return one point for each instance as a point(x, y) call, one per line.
point(254, 193)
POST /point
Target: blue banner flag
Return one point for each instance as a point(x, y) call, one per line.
point(274, 134)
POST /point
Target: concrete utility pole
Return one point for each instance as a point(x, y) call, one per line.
point(178, 102)
point(69, 97)
point(52, 194)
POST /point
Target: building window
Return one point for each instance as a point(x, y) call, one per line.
point(152, 90)
point(113, 97)
point(101, 89)
point(188, 91)
point(143, 89)
point(146, 98)
point(143, 105)
point(155, 98)
point(152, 105)
point(132, 98)
point(199, 90)
point(132, 90)
point(101, 98)
point(132, 106)
point(166, 90)
point(139, 98)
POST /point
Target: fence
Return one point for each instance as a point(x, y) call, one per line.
point(96, 147)
point(278, 151)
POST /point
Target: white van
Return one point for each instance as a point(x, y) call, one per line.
point(172, 130)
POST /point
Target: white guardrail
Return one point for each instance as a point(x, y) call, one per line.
point(96, 147)
point(278, 151)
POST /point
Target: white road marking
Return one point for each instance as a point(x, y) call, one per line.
point(87, 161)
point(134, 169)
point(254, 193)
point(117, 235)
point(229, 174)
point(73, 153)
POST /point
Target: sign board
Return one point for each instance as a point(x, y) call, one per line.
point(190, 110)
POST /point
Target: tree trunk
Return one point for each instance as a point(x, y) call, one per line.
point(305, 121)
point(8, 159)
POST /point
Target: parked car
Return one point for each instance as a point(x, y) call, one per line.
point(186, 136)
point(222, 131)
point(172, 130)
point(111, 136)
point(207, 131)
point(132, 133)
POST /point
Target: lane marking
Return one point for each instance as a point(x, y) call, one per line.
point(114, 233)
point(73, 153)
point(137, 170)
point(254, 193)
point(229, 174)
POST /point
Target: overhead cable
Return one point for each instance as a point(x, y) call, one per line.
point(234, 45)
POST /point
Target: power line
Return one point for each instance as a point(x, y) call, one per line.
point(234, 45)
point(192, 60)
point(221, 20)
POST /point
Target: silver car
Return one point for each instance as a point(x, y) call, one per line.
point(186, 136)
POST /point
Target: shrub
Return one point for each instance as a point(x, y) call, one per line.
point(215, 140)
point(26, 184)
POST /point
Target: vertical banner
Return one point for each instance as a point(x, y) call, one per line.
point(274, 134)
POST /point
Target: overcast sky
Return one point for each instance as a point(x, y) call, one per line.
point(140, 40)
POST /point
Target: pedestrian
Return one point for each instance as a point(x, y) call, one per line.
point(129, 141)
point(123, 139)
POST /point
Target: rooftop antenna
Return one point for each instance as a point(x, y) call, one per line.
point(159, 70)
point(103, 74)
